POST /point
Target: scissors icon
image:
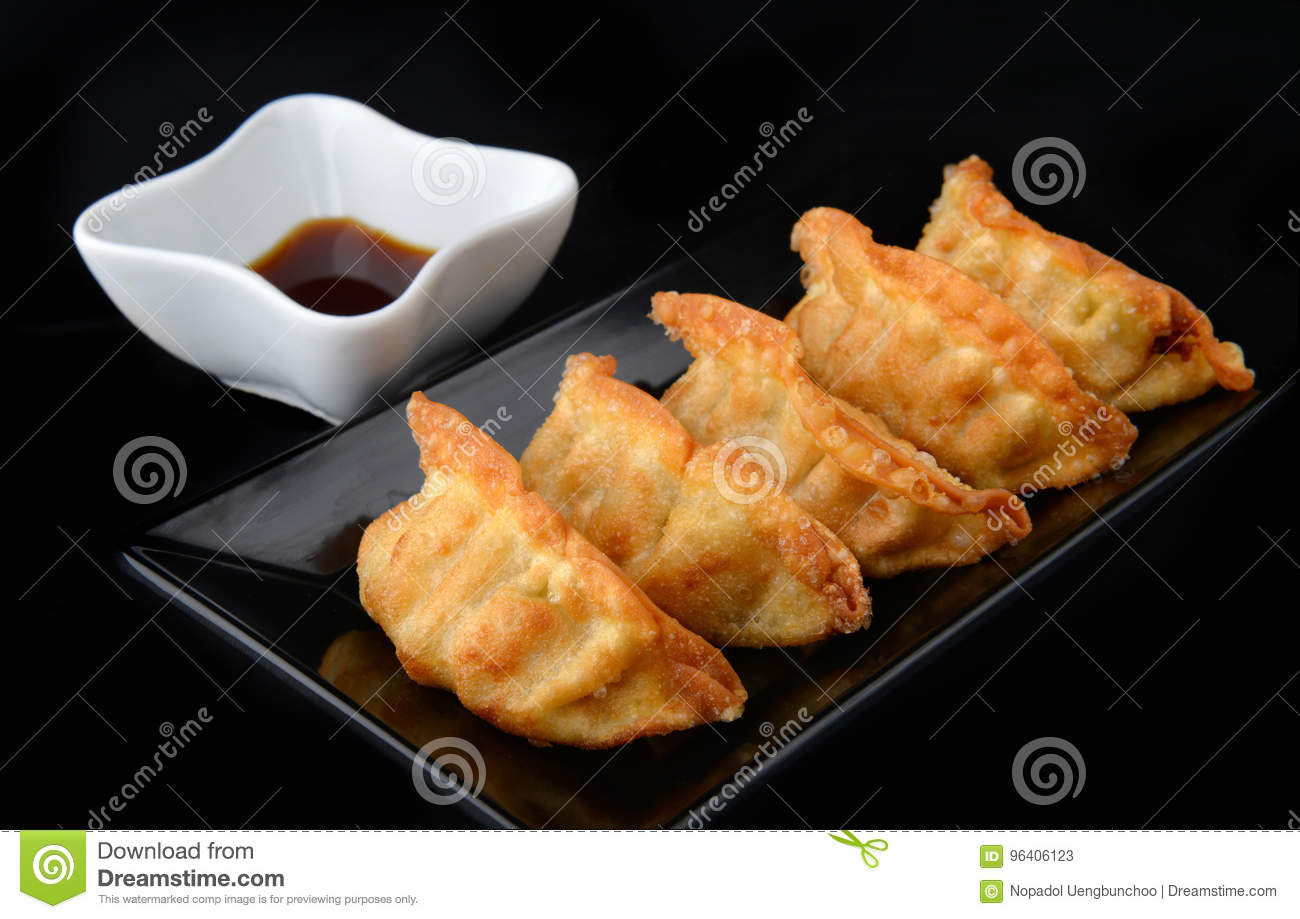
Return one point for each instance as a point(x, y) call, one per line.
point(864, 848)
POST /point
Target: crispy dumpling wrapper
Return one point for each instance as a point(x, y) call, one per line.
point(706, 532)
point(891, 504)
point(945, 363)
point(486, 591)
point(1130, 341)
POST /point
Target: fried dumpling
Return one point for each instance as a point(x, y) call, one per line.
point(702, 530)
point(486, 591)
point(1130, 341)
point(945, 363)
point(890, 503)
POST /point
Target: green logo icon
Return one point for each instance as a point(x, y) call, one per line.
point(866, 849)
point(52, 864)
point(990, 856)
point(990, 891)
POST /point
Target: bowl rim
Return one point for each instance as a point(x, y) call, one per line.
point(89, 242)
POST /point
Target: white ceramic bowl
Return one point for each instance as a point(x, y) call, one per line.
point(172, 251)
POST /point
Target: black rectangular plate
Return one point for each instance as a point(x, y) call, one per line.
point(269, 561)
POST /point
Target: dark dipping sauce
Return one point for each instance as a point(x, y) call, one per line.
point(342, 267)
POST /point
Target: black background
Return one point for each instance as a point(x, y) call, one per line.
point(1186, 117)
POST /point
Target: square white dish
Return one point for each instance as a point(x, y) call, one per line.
point(171, 252)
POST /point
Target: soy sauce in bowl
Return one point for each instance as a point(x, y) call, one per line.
point(340, 266)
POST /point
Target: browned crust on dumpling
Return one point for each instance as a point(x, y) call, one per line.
point(955, 370)
point(1174, 328)
point(742, 387)
point(486, 591)
point(756, 572)
point(860, 442)
point(618, 505)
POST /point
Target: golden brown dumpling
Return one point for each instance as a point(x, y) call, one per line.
point(711, 539)
point(890, 503)
point(945, 363)
point(1130, 341)
point(486, 591)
